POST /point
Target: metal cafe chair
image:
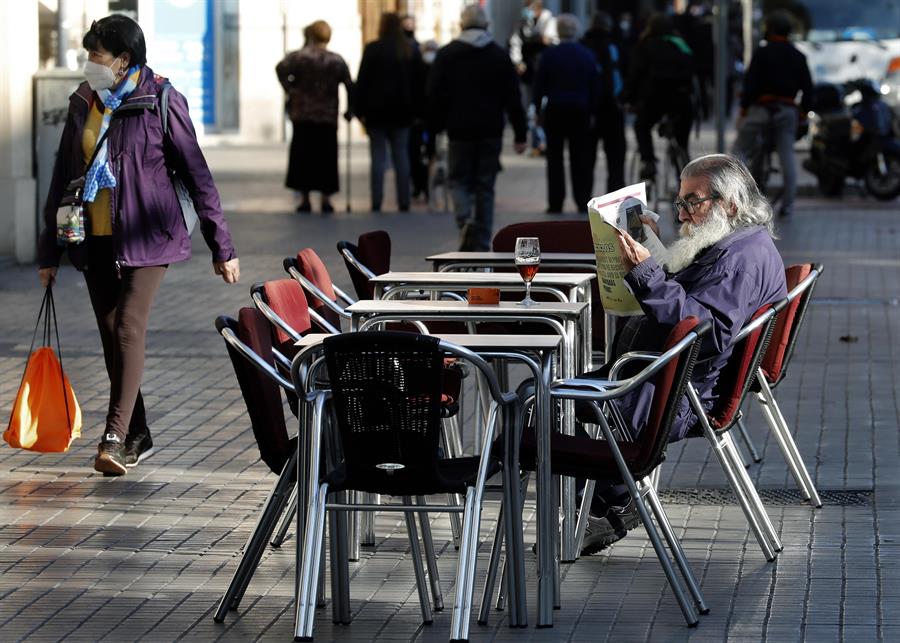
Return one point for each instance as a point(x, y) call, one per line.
point(369, 256)
point(801, 280)
point(733, 385)
point(324, 296)
point(249, 344)
point(385, 399)
point(632, 462)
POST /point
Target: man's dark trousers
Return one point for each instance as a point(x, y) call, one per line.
point(568, 124)
point(472, 167)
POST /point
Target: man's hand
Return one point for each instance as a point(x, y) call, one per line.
point(520, 147)
point(230, 270)
point(633, 253)
point(651, 224)
point(47, 276)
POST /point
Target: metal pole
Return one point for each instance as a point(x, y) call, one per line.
point(62, 37)
point(721, 71)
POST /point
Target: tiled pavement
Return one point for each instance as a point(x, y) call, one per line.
point(147, 556)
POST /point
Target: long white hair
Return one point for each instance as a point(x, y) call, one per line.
point(731, 181)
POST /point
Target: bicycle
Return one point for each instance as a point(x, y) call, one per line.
point(662, 188)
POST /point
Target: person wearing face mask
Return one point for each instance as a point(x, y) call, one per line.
point(114, 142)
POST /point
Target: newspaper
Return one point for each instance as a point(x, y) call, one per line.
point(620, 210)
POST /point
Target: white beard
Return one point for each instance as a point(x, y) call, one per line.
point(693, 239)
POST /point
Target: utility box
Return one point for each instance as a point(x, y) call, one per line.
point(52, 88)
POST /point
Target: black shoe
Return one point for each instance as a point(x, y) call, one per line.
point(327, 208)
point(554, 210)
point(306, 206)
point(613, 527)
point(138, 448)
point(110, 460)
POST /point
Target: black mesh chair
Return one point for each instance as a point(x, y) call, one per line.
point(249, 344)
point(385, 397)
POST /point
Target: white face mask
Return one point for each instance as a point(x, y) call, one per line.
point(99, 76)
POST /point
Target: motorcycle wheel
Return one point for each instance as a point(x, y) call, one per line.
point(884, 187)
point(830, 184)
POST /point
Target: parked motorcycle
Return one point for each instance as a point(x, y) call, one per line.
point(852, 132)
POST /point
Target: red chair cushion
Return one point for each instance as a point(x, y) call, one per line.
point(733, 378)
point(773, 360)
point(665, 379)
point(261, 394)
point(375, 251)
point(286, 298)
point(311, 267)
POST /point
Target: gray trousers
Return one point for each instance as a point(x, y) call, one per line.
point(780, 121)
point(472, 171)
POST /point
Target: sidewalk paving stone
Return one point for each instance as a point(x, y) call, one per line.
point(149, 555)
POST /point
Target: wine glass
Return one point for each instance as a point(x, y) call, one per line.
point(528, 260)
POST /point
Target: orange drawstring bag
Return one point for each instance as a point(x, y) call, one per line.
point(45, 416)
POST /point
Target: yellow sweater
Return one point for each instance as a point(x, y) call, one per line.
point(99, 212)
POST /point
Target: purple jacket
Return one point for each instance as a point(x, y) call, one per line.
point(148, 228)
point(725, 284)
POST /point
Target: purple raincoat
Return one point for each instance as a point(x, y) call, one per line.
point(147, 224)
point(725, 284)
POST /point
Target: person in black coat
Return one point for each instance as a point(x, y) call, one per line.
point(472, 83)
point(386, 98)
point(660, 83)
point(609, 121)
point(566, 89)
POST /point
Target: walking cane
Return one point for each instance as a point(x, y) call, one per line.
point(347, 155)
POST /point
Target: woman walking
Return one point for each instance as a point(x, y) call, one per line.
point(386, 99)
point(310, 78)
point(114, 142)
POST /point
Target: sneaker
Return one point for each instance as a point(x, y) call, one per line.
point(138, 448)
point(611, 528)
point(304, 207)
point(110, 460)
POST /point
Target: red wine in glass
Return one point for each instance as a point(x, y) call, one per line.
point(528, 260)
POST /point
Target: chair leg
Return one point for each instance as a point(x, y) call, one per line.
point(309, 567)
point(686, 605)
point(753, 495)
point(434, 577)
point(415, 553)
point(453, 446)
point(367, 521)
point(468, 553)
point(490, 579)
point(256, 543)
point(320, 585)
point(675, 547)
point(786, 443)
point(748, 441)
point(286, 520)
point(717, 444)
point(586, 497)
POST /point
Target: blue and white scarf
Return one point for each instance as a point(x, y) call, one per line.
point(99, 176)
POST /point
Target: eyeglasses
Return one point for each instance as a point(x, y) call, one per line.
point(688, 206)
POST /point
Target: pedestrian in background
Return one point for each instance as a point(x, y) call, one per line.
point(385, 103)
point(310, 78)
point(535, 32)
point(660, 83)
point(471, 85)
point(567, 86)
point(134, 223)
point(777, 73)
point(609, 119)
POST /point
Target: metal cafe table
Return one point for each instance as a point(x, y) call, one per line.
point(565, 286)
point(524, 348)
point(456, 261)
point(572, 322)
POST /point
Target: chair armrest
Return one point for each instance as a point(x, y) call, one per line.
point(250, 355)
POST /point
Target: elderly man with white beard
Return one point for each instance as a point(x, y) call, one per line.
point(722, 268)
